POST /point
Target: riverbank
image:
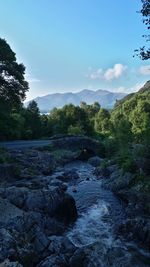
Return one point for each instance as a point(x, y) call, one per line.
point(65, 207)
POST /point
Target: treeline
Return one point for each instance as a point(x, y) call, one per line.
point(28, 123)
point(127, 124)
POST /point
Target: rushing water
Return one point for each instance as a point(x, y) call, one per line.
point(100, 212)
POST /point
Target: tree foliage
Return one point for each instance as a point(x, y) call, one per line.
point(32, 121)
point(144, 52)
point(13, 88)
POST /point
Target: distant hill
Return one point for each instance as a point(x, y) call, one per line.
point(144, 92)
point(105, 98)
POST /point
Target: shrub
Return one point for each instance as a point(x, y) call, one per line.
point(76, 130)
point(111, 147)
point(126, 161)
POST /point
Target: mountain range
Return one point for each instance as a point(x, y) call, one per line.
point(106, 99)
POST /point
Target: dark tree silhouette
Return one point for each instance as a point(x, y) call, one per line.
point(13, 86)
point(144, 52)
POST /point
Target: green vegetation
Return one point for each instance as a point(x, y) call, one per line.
point(13, 88)
point(144, 52)
point(121, 130)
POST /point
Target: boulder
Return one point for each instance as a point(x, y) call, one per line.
point(8, 172)
point(8, 211)
point(53, 261)
point(61, 245)
point(95, 161)
point(33, 162)
point(66, 211)
point(15, 195)
point(78, 259)
point(53, 202)
point(41, 241)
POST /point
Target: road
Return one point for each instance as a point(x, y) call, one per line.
point(24, 144)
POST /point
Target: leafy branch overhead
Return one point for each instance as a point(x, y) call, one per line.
point(13, 86)
point(144, 52)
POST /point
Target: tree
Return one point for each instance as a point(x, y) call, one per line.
point(76, 130)
point(102, 121)
point(140, 119)
point(122, 130)
point(68, 119)
point(32, 120)
point(13, 86)
point(45, 131)
point(143, 52)
point(91, 110)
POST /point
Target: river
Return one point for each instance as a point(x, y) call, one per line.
point(95, 231)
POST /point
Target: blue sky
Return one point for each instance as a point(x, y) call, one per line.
point(70, 45)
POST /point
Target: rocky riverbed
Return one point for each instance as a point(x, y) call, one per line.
point(60, 208)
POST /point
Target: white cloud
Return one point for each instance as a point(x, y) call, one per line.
point(97, 74)
point(115, 72)
point(145, 70)
point(109, 74)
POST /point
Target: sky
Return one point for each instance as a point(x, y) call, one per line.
point(70, 45)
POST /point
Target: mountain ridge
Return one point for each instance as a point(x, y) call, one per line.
point(106, 99)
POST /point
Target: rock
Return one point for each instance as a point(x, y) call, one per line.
point(112, 168)
point(67, 211)
point(67, 246)
point(8, 172)
point(8, 211)
point(7, 263)
point(78, 259)
point(26, 223)
point(41, 242)
point(55, 244)
point(54, 202)
point(44, 200)
point(101, 172)
point(144, 164)
point(64, 187)
point(69, 176)
point(118, 180)
point(36, 201)
point(61, 245)
point(7, 242)
point(53, 226)
point(15, 195)
point(33, 162)
point(74, 189)
point(95, 161)
point(137, 228)
point(28, 256)
point(53, 261)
